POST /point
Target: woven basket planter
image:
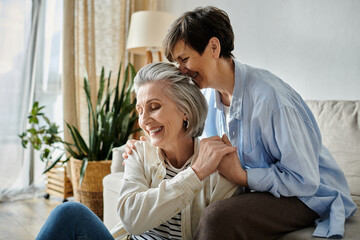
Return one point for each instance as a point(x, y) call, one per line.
point(90, 193)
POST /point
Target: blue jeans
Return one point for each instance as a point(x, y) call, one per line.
point(73, 220)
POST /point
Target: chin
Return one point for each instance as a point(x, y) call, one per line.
point(155, 142)
point(199, 83)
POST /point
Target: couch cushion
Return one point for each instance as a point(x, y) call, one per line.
point(116, 164)
point(111, 185)
point(113, 181)
point(339, 123)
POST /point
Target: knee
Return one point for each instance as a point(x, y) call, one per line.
point(69, 210)
point(214, 213)
point(214, 222)
point(224, 212)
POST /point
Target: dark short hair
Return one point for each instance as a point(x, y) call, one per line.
point(196, 28)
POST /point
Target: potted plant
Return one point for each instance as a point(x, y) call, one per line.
point(110, 122)
point(43, 136)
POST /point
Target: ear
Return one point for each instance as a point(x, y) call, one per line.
point(185, 118)
point(215, 47)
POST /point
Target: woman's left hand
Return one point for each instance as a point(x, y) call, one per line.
point(230, 167)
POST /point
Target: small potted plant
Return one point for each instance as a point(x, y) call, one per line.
point(43, 136)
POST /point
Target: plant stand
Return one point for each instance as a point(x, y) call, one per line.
point(58, 184)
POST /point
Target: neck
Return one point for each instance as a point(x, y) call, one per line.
point(226, 73)
point(179, 155)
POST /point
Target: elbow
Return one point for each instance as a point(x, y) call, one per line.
point(126, 217)
point(310, 187)
point(130, 229)
point(299, 188)
point(131, 221)
point(306, 188)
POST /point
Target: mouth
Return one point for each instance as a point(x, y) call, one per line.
point(193, 76)
point(154, 131)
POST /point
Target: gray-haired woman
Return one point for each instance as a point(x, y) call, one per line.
point(161, 196)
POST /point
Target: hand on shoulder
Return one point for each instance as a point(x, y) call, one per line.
point(130, 145)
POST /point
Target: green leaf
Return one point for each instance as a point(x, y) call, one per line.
point(83, 169)
point(33, 119)
point(78, 140)
point(24, 143)
point(53, 128)
point(54, 163)
point(101, 87)
point(81, 141)
point(72, 152)
point(47, 120)
point(46, 152)
point(109, 152)
point(116, 97)
point(34, 109)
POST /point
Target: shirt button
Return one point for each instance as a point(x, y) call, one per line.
point(160, 177)
point(196, 191)
point(177, 210)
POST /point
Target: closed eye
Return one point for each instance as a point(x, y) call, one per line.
point(155, 106)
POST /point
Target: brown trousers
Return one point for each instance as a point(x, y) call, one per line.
point(253, 216)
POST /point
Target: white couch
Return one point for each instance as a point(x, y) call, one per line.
point(339, 122)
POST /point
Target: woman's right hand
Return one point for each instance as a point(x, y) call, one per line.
point(130, 144)
point(211, 152)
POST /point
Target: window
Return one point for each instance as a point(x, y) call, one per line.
point(30, 70)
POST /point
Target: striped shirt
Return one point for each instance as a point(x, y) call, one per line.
point(172, 228)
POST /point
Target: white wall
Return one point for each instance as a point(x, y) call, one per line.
point(314, 45)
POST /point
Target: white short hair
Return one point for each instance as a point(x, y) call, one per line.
point(181, 89)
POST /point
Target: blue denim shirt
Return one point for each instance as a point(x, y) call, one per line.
point(279, 145)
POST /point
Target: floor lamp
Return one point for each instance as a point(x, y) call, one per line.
point(146, 33)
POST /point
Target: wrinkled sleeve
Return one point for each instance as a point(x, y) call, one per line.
point(141, 207)
point(295, 145)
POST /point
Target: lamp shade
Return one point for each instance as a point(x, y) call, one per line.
point(147, 30)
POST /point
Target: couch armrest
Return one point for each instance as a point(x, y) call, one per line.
point(117, 159)
point(112, 186)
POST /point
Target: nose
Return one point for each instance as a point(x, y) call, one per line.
point(144, 119)
point(183, 69)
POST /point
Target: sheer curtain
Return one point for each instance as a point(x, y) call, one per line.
point(30, 58)
point(94, 36)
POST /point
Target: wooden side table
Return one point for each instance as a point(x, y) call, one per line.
point(58, 184)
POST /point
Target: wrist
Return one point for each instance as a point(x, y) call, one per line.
point(242, 179)
point(198, 172)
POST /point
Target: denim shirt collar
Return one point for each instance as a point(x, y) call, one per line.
point(238, 93)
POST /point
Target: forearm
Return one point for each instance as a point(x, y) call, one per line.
point(143, 208)
point(238, 178)
point(282, 182)
point(233, 172)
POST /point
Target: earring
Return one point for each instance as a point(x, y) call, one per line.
point(186, 124)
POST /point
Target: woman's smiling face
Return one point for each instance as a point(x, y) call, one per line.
point(193, 64)
point(159, 115)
